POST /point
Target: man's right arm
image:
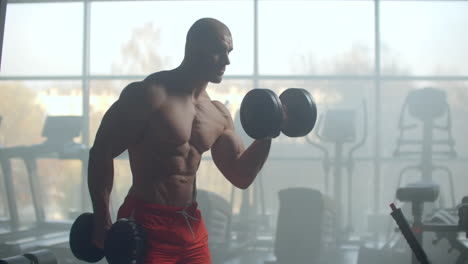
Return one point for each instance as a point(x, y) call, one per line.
point(101, 172)
point(120, 127)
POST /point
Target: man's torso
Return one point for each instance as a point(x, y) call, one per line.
point(180, 128)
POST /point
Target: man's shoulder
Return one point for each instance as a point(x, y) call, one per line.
point(221, 107)
point(155, 78)
point(140, 88)
point(218, 104)
point(132, 90)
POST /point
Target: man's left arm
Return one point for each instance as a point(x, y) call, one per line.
point(239, 165)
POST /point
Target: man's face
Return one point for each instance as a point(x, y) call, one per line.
point(215, 57)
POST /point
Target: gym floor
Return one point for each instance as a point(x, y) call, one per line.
point(347, 255)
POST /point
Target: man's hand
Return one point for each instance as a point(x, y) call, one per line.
point(99, 232)
point(123, 242)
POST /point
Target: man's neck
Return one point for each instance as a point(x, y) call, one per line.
point(189, 81)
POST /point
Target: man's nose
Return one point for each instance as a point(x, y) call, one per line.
point(226, 59)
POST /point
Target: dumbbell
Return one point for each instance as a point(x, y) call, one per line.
point(265, 115)
point(125, 241)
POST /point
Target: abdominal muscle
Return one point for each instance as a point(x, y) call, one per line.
point(164, 177)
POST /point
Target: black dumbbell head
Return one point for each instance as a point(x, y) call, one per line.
point(125, 243)
point(81, 239)
point(301, 112)
point(261, 114)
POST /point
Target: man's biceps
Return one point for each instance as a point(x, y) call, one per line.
point(222, 144)
point(225, 153)
point(222, 163)
point(234, 143)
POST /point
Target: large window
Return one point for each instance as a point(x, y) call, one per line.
point(424, 37)
point(141, 37)
point(43, 39)
point(315, 37)
point(75, 57)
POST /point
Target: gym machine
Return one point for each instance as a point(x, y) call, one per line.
point(430, 107)
point(417, 195)
point(338, 127)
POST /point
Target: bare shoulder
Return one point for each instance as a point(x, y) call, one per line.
point(222, 108)
point(133, 91)
point(141, 89)
point(145, 95)
point(123, 122)
point(224, 112)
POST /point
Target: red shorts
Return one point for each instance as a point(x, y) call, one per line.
point(174, 234)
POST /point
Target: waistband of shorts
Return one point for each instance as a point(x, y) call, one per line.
point(139, 203)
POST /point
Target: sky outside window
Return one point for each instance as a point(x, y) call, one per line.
point(114, 24)
point(308, 37)
point(43, 39)
point(295, 37)
point(425, 37)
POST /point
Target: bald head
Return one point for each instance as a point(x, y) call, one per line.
point(207, 49)
point(204, 31)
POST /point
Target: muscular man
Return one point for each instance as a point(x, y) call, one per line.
point(166, 122)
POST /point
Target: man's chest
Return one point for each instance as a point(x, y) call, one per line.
point(198, 124)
